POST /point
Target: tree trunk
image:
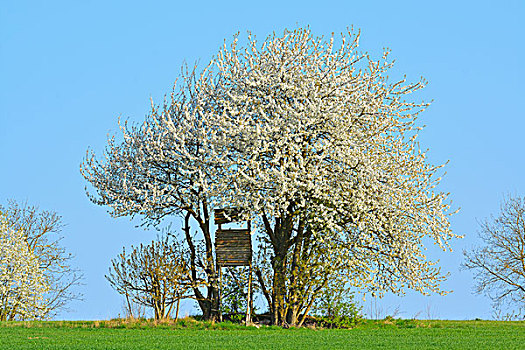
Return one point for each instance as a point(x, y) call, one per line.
point(130, 310)
point(177, 310)
point(292, 313)
point(208, 304)
point(211, 271)
point(286, 299)
point(156, 308)
point(279, 287)
point(213, 300)
point(280, 238)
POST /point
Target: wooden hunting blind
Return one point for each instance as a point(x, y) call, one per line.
point(233, 247)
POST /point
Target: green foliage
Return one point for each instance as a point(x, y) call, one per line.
point(234, 293)
point(335, 307)
point(343, 322)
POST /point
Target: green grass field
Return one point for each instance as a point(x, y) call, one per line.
point(395, 334)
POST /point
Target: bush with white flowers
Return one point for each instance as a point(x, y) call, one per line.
point(22, 281)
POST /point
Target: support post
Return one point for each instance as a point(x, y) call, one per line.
point(249, 301)
point(219, 292)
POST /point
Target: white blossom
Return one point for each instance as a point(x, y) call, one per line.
point(300, 132)
point(22, 282)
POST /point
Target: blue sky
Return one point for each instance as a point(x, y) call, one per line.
point(68, 70)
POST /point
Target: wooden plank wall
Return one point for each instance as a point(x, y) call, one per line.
point(233, 247)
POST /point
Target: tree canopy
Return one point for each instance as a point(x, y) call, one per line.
point(310, 138)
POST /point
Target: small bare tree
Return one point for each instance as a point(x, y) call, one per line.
point(500, 263)
point(154, 275)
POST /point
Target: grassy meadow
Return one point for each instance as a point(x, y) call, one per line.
point(189, 334)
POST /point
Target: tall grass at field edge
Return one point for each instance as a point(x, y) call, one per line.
point(190, 323)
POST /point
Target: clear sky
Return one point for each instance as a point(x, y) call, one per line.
point(69, 69)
